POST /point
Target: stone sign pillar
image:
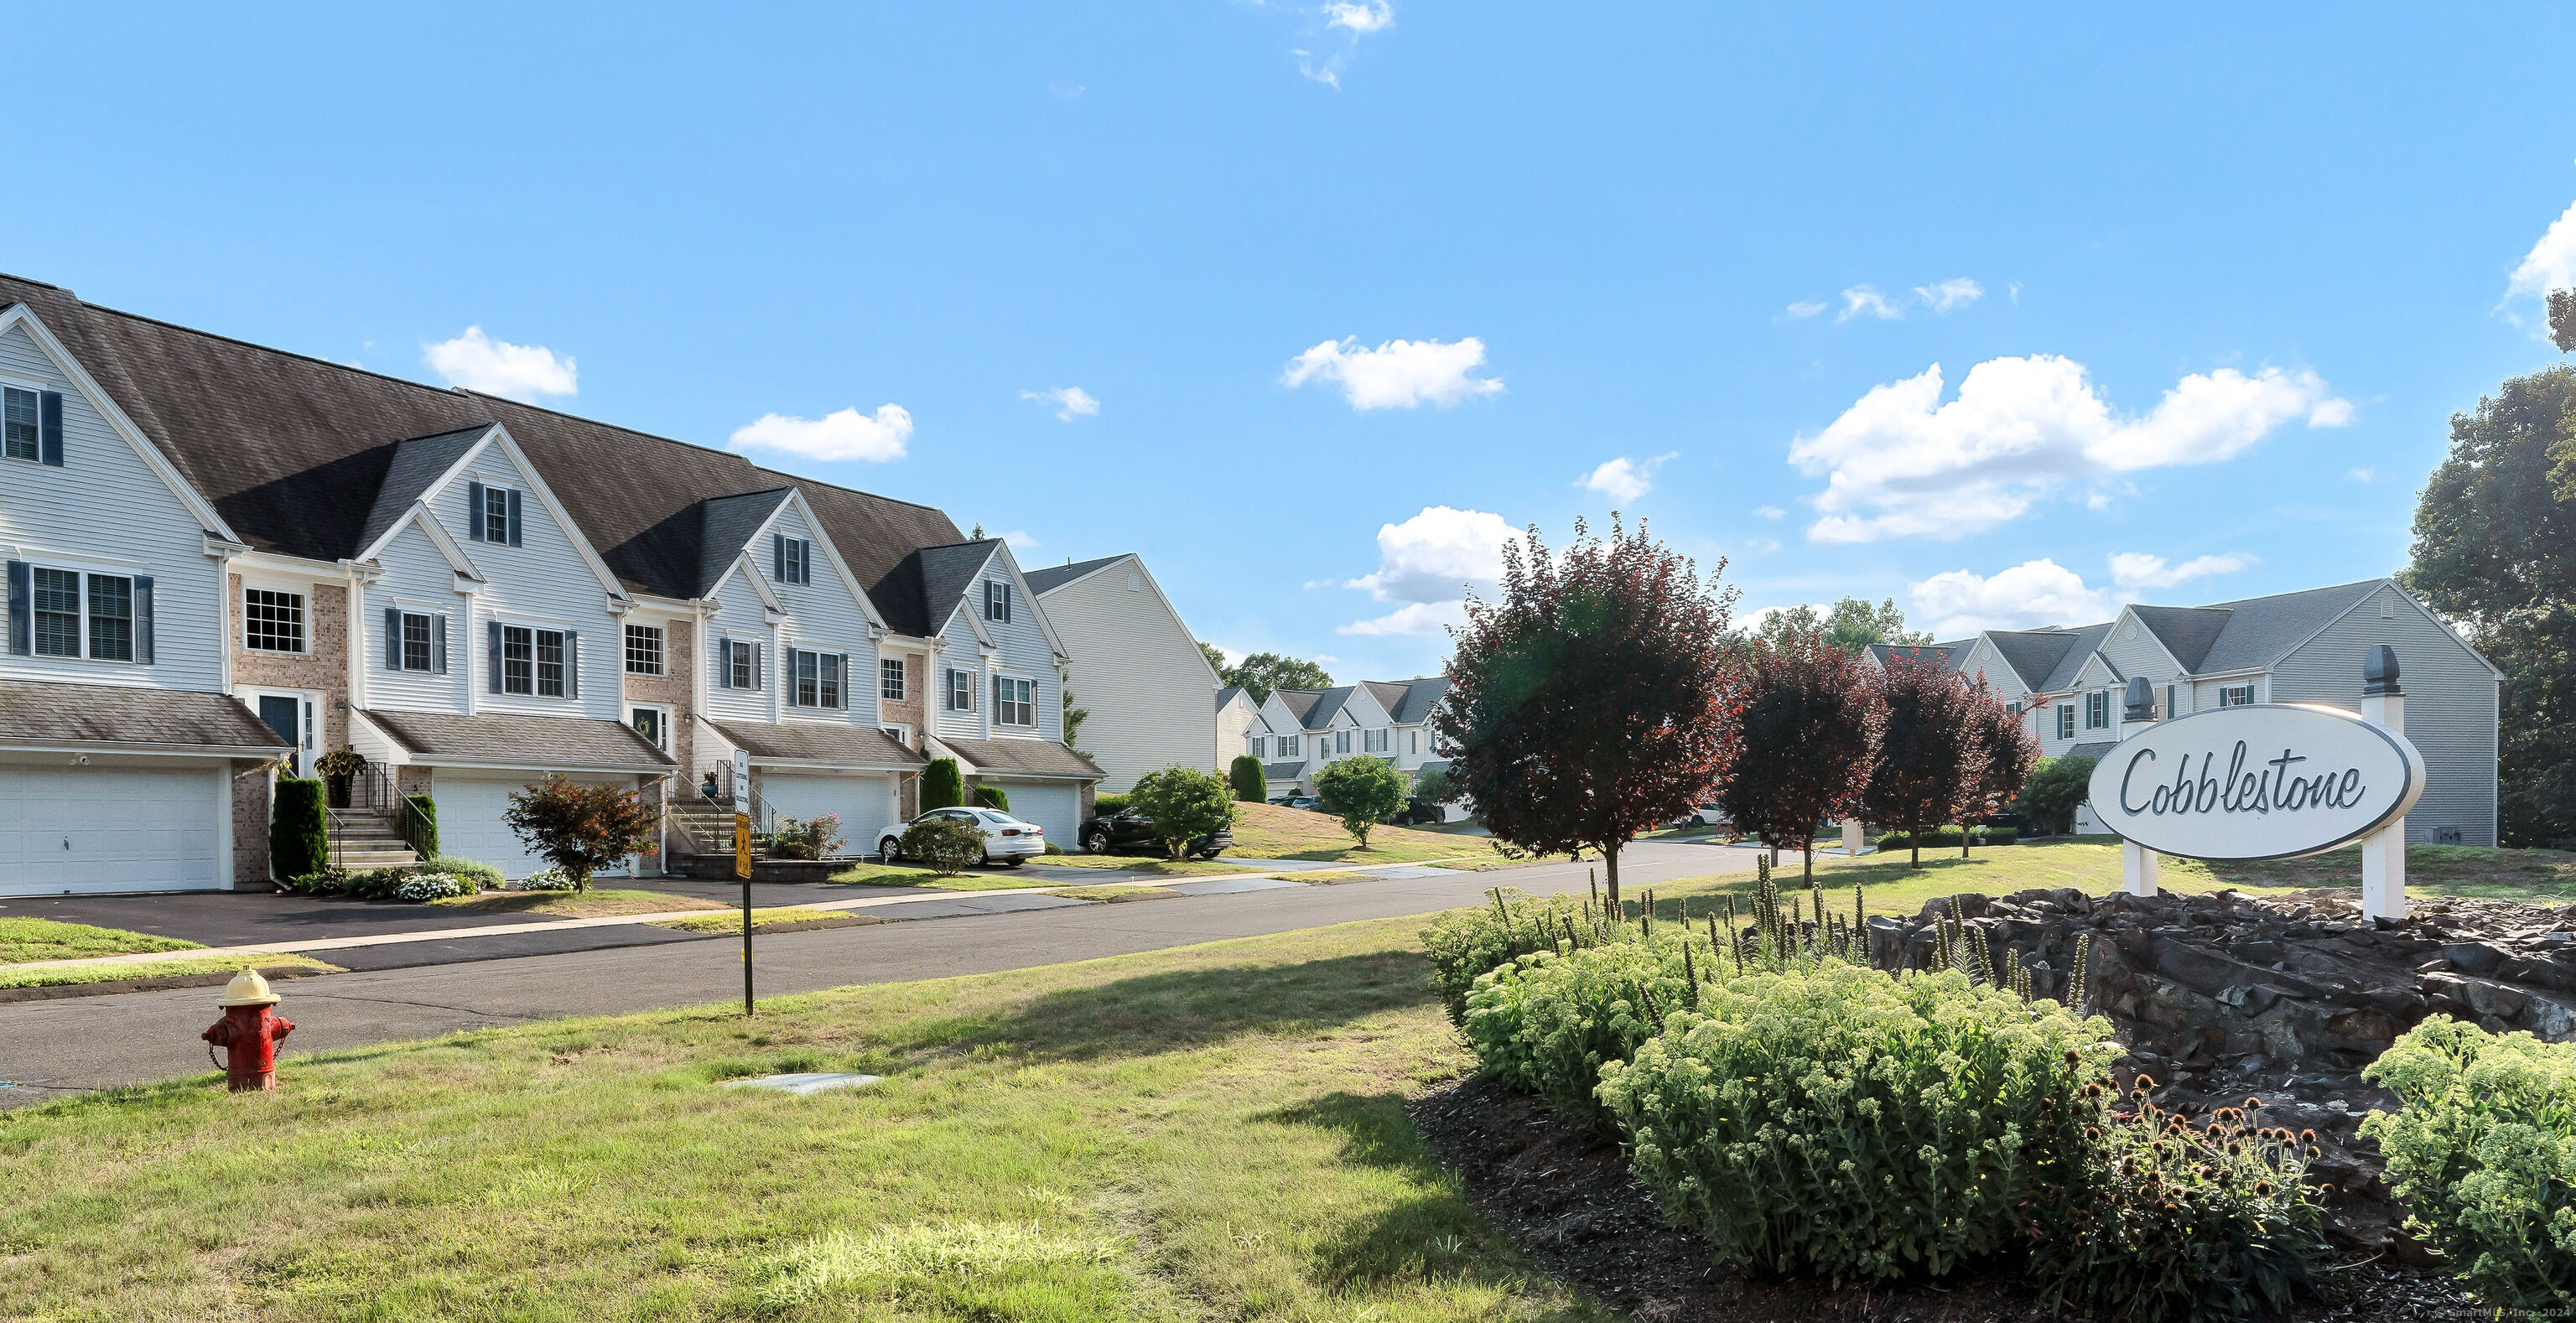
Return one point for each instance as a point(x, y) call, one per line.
point(2138, 864)
point(2383, 852)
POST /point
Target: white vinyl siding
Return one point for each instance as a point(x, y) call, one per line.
point(957, 651)
point(51, 515)
point(739, 620)
point(544, 583)
point(826, 619)
point(1137, 669)
point(1025, 652)
point(417, 578)
point(2450, 707)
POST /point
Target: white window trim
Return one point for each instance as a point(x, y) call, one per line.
point(535, 627)
point(902, 680)
point(490, 490)
point(82, 573)
point(406, 612)
point(1034, 691)
point(304, 595)
point(626, 659)
point(668, 716)
point(900, 730)
point(40, 390)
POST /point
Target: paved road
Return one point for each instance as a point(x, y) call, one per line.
point(50, 1048)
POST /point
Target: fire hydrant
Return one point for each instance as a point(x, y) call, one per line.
point(250, 1031)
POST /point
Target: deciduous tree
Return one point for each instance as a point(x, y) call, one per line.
point(581, 828)
point(1592, 701)
point(1931, 755)
point(1263, 672)
point(1184, 804)
point(2012, 753)
point(1359, 791)
point(1812, 717)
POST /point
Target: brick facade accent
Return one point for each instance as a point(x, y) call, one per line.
point(250, 825)
point(913, 709)
point(671, 688)
point(322, 666)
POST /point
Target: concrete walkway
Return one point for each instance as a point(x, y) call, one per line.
point(49, 1049)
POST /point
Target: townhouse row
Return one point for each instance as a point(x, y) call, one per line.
point(226, 560)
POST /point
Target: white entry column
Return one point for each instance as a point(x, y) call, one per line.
point(2138, 864)
point(2383, 852)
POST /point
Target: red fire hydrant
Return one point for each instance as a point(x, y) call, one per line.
point(250, 1031)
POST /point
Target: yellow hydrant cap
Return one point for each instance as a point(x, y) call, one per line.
point(248, 989)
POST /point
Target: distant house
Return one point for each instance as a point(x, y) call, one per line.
point(1302, 730)
point(2069, 683)
point(1138, 670)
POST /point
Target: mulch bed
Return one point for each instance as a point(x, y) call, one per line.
point(1567, 1200)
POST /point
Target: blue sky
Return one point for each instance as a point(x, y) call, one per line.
point(1350, 290)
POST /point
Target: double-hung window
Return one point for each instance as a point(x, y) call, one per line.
point(1014, 702)
point(643, 649)
point(496, 514)
point(111, 617)
point(57, 599)
point(98, 616)
point(550, 663)
point(2097, 711)
point(890, 679)
point(817, 679)
point(1341, 741)
point(534, 661)
point(1290, 746)
point(741, 666)
point(1254, 746)
point(961, 691)
point(21, 428)
point(997, 601)
point(2238, 695)
point(272, 621)
point(2066, 721)
point(416, 653)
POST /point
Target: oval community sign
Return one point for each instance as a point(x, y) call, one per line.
point(2270, 781)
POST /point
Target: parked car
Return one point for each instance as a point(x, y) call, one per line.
point(1706, 815)
point(1308, 802)
point(1006, 838)
point(1128, 830)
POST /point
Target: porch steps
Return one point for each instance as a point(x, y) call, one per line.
point(361, 840)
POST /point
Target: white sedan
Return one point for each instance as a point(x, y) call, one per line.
point(1006, 839)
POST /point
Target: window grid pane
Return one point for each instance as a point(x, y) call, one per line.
point(806, 666)
point(740, 664)
point(272, 621)
point(890, 678)
point(643, 650)
point(415, 641)
point(496, 514)
point(57, 613)
point(22, 432)
point(831, 685)
point(550, 663)
point(518, 661)
point(111, 617)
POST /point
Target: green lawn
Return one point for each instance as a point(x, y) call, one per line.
point(1140, 863)
point(1211, 1132)
point(596, 903)
point(2543, 876)
point(22, 940)
point(62, 976)
point(905, 875)
point(1267, 831)
point(1117, 893)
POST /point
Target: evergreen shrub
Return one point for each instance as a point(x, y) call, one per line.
point(299, 833)
point(947, 846)
point(2483, 1151)
point(994, 798)
point(1251, 784)
point(1108, 806)
point(942, 785)
point(421, 833)
point(1836, 1121)
point(1948, 837)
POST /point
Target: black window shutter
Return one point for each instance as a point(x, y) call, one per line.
point(474, 510)
point(778, 558)
point(845, 682)
point(724, 663)
point(514, 516)
point(572, 663)
point(757, 674)
point(438, 643)
point(393, 638)
point(53, 428)
point(1003, 591)
point(143, 619)
point(21, 611)
point(495, 639)
point(804, 560)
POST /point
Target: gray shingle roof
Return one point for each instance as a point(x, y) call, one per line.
point(294, 451)
point(43, 712)
point(1319, 714)
point(1047, 579)
point(512, 739)
point(1283, 771)
point(2260, 630)
point(2097, 750)
point(1040, 758)
point(417, 463)
point(1226, 695)
point(2033, 655)
point(1299, 701)
point(835, 743)
point(2088, 640)
point(726, 527)
point(1409, 702)
point(946, 573)
point(2187, 632)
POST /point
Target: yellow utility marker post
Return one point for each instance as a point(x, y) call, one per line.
point(742, 869)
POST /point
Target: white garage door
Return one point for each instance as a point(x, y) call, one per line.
point(90, 829)
point(865, 804)
point(470, 825)
point(1050, 804)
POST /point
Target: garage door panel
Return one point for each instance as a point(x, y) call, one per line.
point(1052, 805)
point(471, 825)
point(91, 829)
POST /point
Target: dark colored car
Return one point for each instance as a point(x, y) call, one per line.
point(1307, 802)
point(1129, 831)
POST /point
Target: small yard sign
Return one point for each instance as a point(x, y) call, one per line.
point(2270, 781)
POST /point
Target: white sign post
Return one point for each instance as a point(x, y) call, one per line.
point(2269, 781)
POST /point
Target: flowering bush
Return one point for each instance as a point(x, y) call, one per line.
point(549, 879)
point(433, 886)
point(1463, 944)
point(1890, 1125)
point(2483, 1150)
point(2163, 1220)
point(947, 845)
point(808, 838)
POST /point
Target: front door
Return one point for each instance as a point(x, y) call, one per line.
point(285, 716)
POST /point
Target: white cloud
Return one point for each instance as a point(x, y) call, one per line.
point(1805, 308)
point(1765, 545)
point(1862, 300)
point(1901, 462)
point(1359, 17)
point(843, 434)
point(2014, 289)
point(1070, 402)
point(2551, 263)
point(1399, 374)
point(1426, 563)
point(1768, 512)
point(2132, 570)
point(2363, 476)
point(2031, 594)
point(1328, 659)
point(1624, 479)
point(1949, 294)
point(476, 361)
point(1233, 656)
point(1329, 72)
point(1020, 540)
point(2331, 413)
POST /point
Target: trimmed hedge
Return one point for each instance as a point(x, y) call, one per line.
point(942, 785)
point(2483, 1151)
point(1108, 806)
point(994, 798)
point(299, 830)
point(1839, 1122)
point(1948, 837)
point(1251, 783)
